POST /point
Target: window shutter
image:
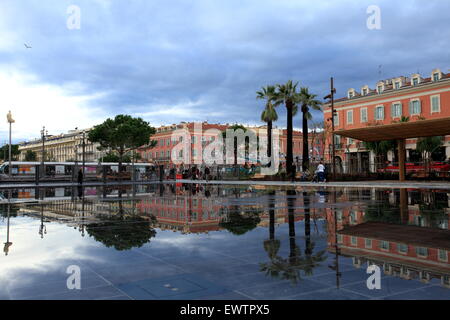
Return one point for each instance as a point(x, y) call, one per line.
point(420, 106)
point(410, 108)
point(393, 110)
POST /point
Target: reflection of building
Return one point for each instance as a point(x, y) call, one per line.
point(410, 245)
point(63, 147)
point(405, 251)
point(413, 97)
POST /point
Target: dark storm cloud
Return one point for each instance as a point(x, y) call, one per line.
point(204, 59)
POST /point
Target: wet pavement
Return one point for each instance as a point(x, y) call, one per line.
point(197, 241)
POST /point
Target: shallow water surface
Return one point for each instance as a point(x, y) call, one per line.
point(223, 242)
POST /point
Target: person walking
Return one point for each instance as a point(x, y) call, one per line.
point(206, 174)
point(80, 176)
point(321, 172)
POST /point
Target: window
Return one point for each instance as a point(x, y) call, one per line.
point(168, 154)
point(422, 252)
point(380, 89)
point(435, 104)
point(368, 243)
point(194, 139)
point(350, 117)
point(397, 85)
point(194, 152)
point(168, 142)
point(379, 113)
point(336, 118)
point(436, 76)
point(350, 94)
point(363, 115)
point(415, 107)
point(442, 255)
point(364, 91)
point(354, 241)
point(337, 139)
point(396, 110)
point(340, 238)
point(402, 248)
point(180, 154)
point(384, 245)
point(415, 81)
point(350, 141)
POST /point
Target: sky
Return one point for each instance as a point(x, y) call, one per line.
point(200, 60)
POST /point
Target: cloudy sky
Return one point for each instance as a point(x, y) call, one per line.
point(169, 61)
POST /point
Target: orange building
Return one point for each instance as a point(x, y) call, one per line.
point(414, 97)
point(166, 141)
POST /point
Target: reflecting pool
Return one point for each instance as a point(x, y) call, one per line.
point(187, 241)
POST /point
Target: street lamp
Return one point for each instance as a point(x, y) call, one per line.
point(10, 121)
point(43, 134)
point(331, 96)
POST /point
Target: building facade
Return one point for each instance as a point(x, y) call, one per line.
point(63, 147)
point(166, 140)
point(394, 100)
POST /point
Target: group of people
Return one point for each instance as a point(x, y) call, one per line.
point(319, 174)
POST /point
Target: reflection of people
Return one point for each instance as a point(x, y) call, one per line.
point(6, 247)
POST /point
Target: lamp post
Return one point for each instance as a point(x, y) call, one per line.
point(43, 134)
point(84, 150)
point(333, 151)
point(10, 121)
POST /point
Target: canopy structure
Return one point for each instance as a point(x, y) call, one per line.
point(400, 131)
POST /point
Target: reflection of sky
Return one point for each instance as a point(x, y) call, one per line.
point(33, 261)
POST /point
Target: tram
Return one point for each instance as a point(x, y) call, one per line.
point(67, 171)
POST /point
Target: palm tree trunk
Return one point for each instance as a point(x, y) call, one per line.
point(269, 139)
point(271, 216)
point(289, 155)
point(307, 224)
point(305, 156)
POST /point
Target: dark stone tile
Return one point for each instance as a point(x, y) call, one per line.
point(282, 290)
point(102, 292)
point(429, 293)
point(180, 287)
point(329, 294)
point(389, 286)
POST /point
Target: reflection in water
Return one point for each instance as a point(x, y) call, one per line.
point(291, 267)
point(405, 232)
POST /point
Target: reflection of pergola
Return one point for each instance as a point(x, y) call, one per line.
point(400, 132)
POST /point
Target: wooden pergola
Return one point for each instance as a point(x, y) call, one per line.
point(400, 132)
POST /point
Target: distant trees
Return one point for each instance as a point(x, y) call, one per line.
point(122, 134)
point(4, 152)
point(30, 155)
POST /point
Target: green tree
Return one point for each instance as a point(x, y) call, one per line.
point(30, 155)
point(240, 223)
point(307, 101)
point(380, 148)
point(122, 134)
point(287, 94)
point(4, 152)
point(114, 157)
point(269, 115)
point(426, 146)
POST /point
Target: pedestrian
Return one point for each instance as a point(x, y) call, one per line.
point(206, 174)
point(321, 172)
point(80, 176)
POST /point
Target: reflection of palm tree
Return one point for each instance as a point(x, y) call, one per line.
point(291, 268)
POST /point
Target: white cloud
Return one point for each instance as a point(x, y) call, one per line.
point(35, 105)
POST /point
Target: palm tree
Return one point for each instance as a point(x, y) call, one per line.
point(234, 127)
point(307, 100)
point(287, 94)
point(269, 115)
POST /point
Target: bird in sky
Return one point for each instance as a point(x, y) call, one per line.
point(26, 46)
